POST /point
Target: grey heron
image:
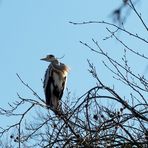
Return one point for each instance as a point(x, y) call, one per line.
point(54, 81)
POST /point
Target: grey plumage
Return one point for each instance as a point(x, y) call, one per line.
point(54, 82)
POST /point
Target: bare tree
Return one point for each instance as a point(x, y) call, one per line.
point(101, 117)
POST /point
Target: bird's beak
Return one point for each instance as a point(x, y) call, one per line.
point(44, 59)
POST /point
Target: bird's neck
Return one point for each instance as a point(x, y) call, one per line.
point(60, 67)
point(55, 62)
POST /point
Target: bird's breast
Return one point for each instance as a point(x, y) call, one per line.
point(58, 79)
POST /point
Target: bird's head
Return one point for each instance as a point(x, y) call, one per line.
point(50, 58)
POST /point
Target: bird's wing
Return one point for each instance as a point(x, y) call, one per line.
point(48, 86)
point(47, 76)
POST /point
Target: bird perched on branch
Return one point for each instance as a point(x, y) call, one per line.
point(54, 81)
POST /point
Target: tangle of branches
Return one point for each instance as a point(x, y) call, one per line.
point(101, 117)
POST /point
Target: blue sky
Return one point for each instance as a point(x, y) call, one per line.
point(30, 29)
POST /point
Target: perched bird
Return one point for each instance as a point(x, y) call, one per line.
point(54, 81)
